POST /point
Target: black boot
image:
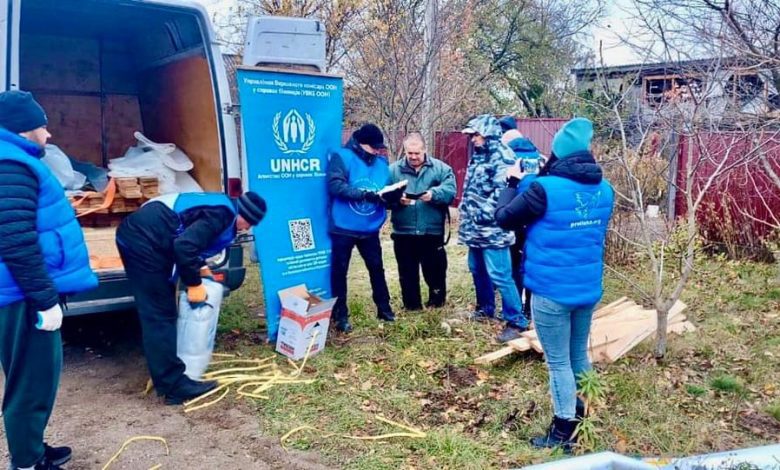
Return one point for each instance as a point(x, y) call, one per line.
point(579, 410)
point(560, 434)
point(343, 326)
point(57, 455)
point(186, 389)
point(386, 315)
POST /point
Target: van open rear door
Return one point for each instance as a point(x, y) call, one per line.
point(9, 37)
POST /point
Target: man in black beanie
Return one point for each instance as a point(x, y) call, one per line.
point(42, 257)
point(177, 233)
point(356, 173)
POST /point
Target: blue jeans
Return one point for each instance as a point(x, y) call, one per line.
point(563, 332)
point(493, 267)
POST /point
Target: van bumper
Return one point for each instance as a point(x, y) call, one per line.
point(113, 293)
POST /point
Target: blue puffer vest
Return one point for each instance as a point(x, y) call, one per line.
point(179, 203)
point(361, 216)
point(564, 251)
point(59, 233)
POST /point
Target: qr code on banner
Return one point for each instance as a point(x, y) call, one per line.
point(301, 234)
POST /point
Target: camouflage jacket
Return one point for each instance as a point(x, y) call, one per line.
point(485, 178)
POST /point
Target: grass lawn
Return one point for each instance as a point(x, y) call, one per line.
point(718, 389)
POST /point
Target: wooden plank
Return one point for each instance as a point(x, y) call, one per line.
point(520, 344)
point(612, 307)
point(640, 334)
point(494, 356)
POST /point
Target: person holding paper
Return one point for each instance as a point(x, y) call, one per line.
point(418, 223)
point(566, 209)
point(356, 176)
point(168, 240)
point(489, 258)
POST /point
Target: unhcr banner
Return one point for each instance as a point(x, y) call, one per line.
point(290, 121)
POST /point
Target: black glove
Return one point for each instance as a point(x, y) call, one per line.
point(512, 182)
point(371, 196)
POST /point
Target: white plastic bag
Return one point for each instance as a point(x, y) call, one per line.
point(60, 166)
point(172, 157)
point(196, 329)
point(137, 163)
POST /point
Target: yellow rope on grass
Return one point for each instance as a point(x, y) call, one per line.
point(134, 439)
point(306, 357)
point(222, 355)
point(205, 395)
point(413, 433)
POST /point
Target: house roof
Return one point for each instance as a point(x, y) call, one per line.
point(658, 68)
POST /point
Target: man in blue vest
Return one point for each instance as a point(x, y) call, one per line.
point(566, 208)
point(177, 231)
point(356, 173)
point(43, 257)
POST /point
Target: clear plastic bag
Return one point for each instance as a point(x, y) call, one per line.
point(196, 329)
point(60, 166)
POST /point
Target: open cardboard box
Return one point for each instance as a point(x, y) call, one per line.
point(303, 315)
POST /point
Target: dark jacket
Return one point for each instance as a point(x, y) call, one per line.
point(152, 235)
point(518, 209)
point(423, 218)
point(339, 186)
point(19, 246)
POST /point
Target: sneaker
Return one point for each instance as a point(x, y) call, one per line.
point(386, 315)
point(482, 316)
point(43, 464)
point(509, 333)
point(187, 389)
point(57, 455)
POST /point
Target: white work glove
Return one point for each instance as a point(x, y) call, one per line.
point(50, 319)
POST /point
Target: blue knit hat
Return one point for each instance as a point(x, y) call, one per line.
point(19, 112)
point(573, 137)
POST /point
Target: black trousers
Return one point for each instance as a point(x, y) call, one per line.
point(516, 252)
point(149, 273)
point(370, 250)
point(413, 252)
point(32, 361)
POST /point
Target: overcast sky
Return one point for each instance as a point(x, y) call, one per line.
point(617, 24)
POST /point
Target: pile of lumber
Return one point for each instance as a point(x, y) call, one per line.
point(101, 244)
point(138, 188)
point(617, 328)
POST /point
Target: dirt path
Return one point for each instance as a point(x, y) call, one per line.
point(100, 405)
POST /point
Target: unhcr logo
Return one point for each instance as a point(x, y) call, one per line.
point(293, 134)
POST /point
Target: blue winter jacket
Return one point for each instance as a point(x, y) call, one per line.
point(567, 209)
point(55, 240)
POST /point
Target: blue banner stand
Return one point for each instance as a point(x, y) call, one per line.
point(290, 121)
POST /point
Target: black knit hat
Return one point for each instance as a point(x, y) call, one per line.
point(19, 112)
point(370, 134)
point(251, 207)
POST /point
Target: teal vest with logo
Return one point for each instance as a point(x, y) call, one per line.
point(564, 250)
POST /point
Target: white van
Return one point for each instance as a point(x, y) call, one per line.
point(103, 69)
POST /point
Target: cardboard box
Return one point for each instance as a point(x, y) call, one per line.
point(303, 314)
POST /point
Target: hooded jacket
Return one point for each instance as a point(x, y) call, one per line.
point(485, 177)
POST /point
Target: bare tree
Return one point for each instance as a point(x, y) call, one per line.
point(679, 139)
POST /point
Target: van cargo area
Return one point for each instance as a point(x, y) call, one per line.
point(105, 69)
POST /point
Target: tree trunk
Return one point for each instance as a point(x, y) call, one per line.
point(661, 336)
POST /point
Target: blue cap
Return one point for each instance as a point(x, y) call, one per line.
point(575, 136)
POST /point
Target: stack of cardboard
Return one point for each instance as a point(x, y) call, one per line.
point(617, 328)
